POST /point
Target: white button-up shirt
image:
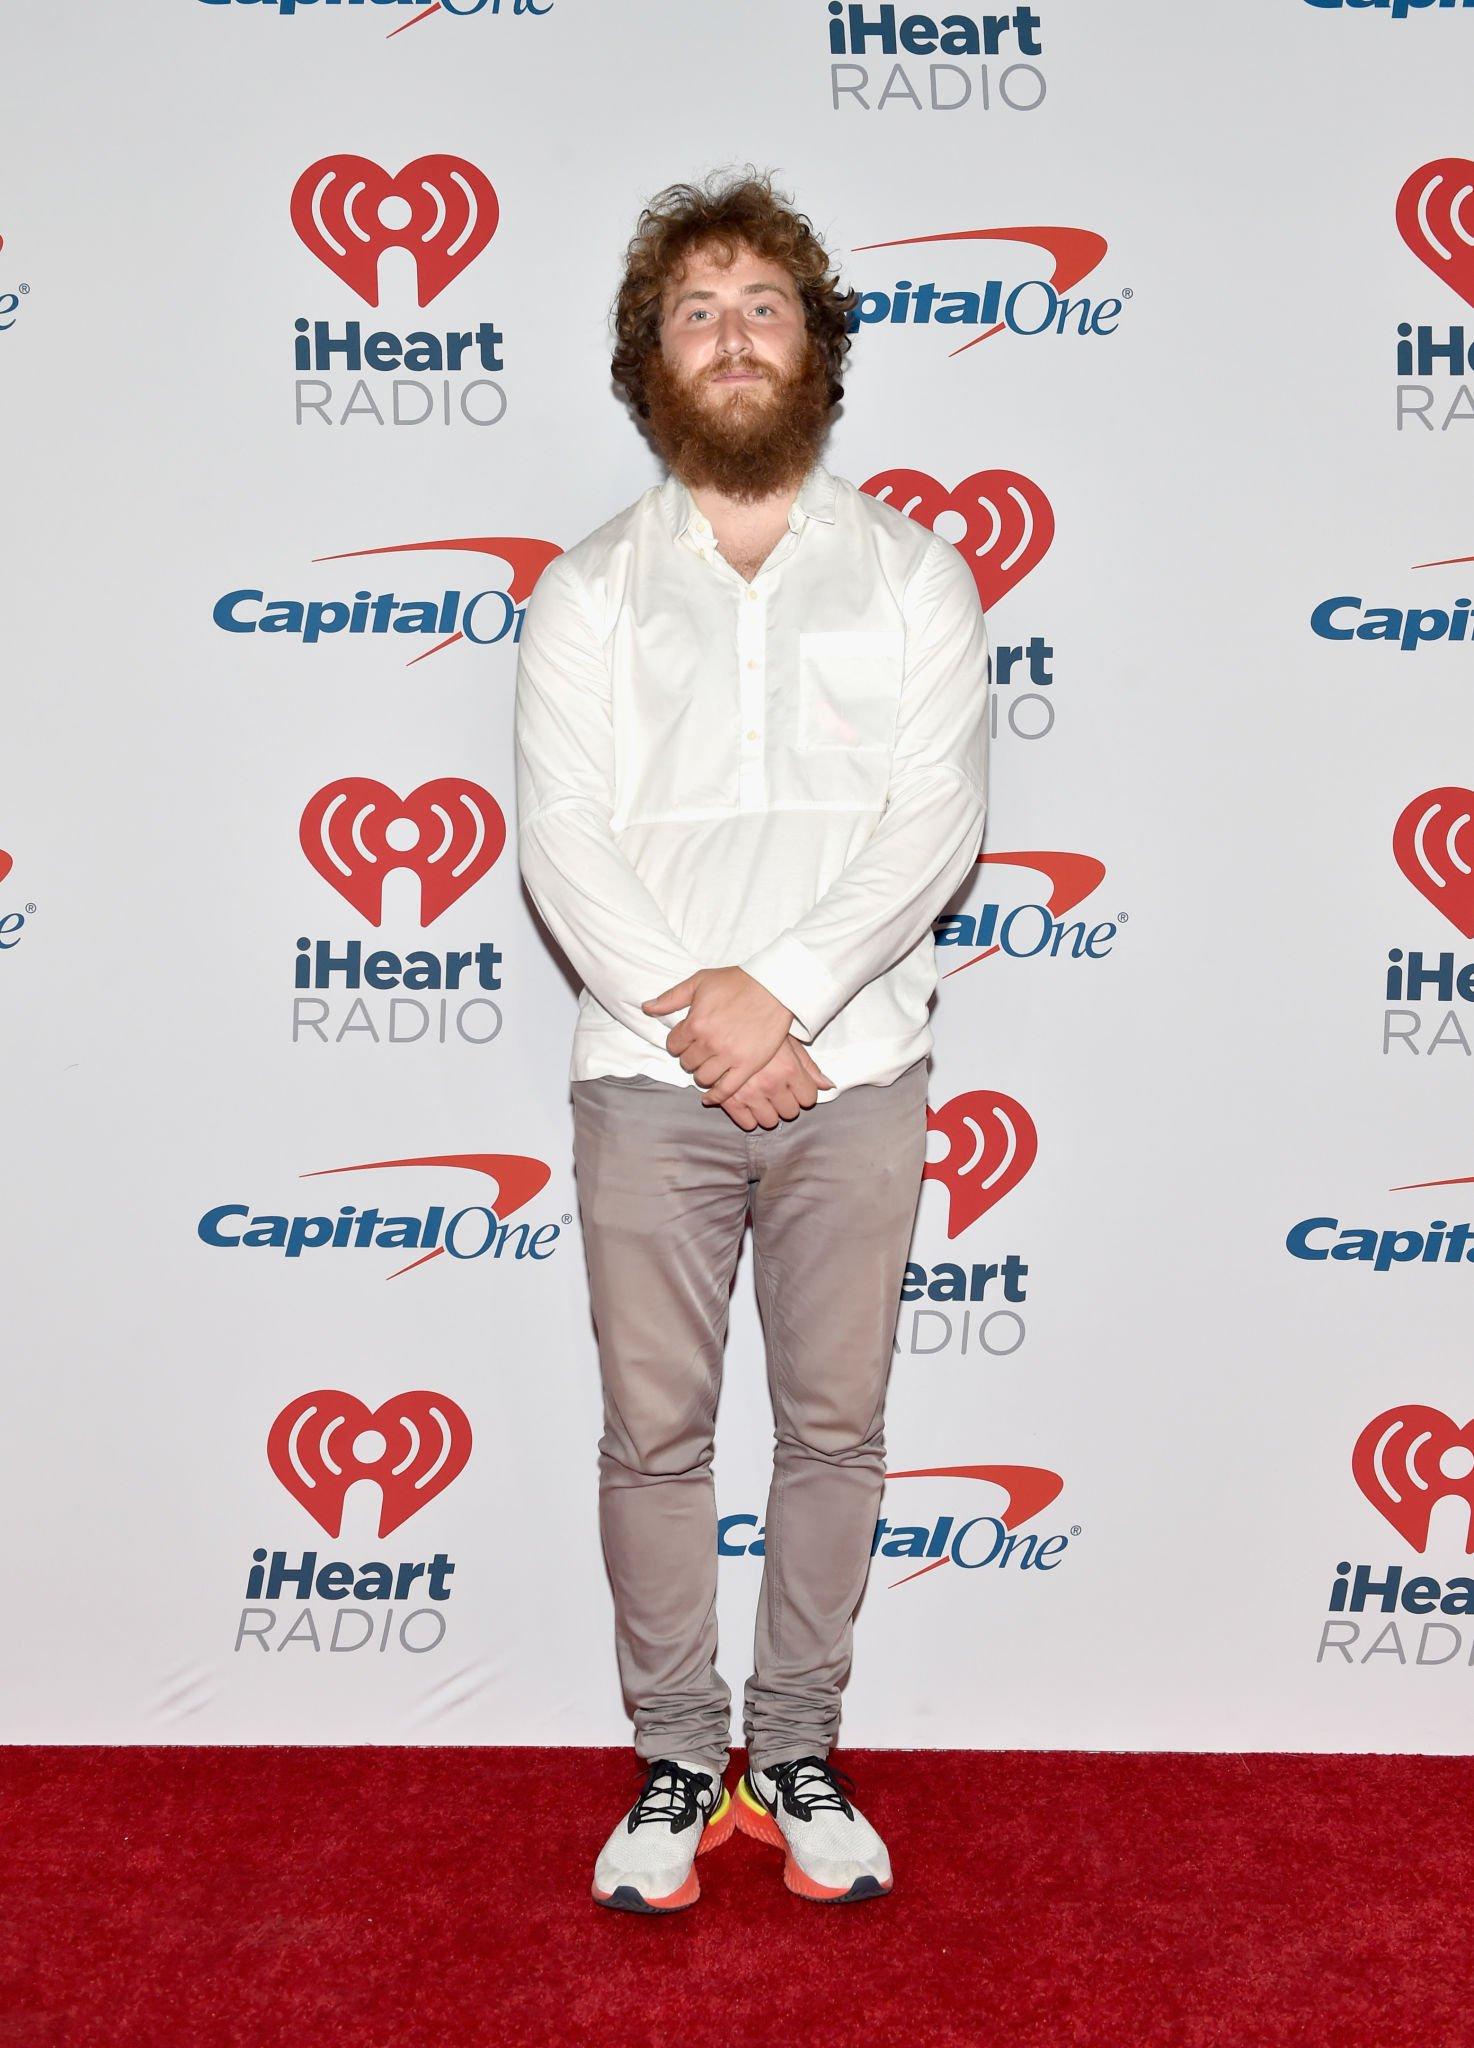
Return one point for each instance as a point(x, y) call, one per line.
point(787, 775)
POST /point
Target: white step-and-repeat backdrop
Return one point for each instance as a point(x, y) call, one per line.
point(1167, 313)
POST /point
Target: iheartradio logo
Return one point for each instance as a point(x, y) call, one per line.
point(1409, 1458)
point(348, 210)
point(1433, 842)
point(991, 1144)
point(411, 1446)
point(1435, 217)
point(448, 832)
point(1000, 522)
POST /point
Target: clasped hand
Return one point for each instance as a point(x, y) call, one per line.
point(735, 1040)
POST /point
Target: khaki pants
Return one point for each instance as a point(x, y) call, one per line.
point(664, 1188)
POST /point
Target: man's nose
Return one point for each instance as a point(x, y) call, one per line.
point(732, 335)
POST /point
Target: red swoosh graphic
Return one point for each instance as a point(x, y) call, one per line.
point(527, 558)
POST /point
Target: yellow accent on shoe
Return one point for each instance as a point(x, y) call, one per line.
point(748, 1797)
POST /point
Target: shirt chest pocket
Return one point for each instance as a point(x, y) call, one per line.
point(849, 690)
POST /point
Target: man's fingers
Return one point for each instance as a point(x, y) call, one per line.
point(736, 1076)
point(739, 1109)
point(771, 1102)
point(774, 1093)
point(671, 998)
point(810, 1065)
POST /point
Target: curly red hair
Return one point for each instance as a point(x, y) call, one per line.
point(718, 217)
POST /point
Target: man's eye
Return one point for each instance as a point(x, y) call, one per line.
point(700, 312)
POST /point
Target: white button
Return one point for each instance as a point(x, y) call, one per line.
point(752, 735)
point(751, 663)
point(751, 596)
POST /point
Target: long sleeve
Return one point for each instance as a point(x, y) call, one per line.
point(588, 894)
point(928, 837)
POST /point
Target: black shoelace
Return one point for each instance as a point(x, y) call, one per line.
point(670, 1796)
point(812, 1781)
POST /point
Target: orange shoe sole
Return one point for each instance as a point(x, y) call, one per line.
point(753, 1818)
point(630, 1900)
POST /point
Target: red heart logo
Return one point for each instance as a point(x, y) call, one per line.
point(1008, 522)
point(338, 206)
point(1435, 217)
point(6, 863)
point(316, 1450)
point(1426, 840)
point(454, 830)
point(991, 1144)
point(1398, 1462)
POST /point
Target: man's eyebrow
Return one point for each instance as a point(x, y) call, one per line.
point(770, 287)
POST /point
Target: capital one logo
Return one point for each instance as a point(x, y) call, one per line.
point(411, 1447)
point(348, 210)
point(1027, 1490)
point(1400, 10)
point(1070, 877)
point(1408, 1459)
point(1435, 217)
point(974, 1542)
point(484, 617)
point(991, 1144)
point(1433, 842)
point(1000, 522)
point(1032, 307)
point(448, 832)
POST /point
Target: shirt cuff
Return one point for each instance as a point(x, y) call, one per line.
point(799, 979)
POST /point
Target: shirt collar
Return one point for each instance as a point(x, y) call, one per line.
point(815, 500)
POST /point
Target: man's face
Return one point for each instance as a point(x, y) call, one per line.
point(729, 332)
point(737, 388)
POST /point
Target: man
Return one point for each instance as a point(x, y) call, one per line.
point(751, 745)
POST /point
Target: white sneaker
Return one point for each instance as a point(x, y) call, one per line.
point(648, 1864)
point(831, 1851)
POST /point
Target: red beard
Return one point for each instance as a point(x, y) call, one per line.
point(746, 444)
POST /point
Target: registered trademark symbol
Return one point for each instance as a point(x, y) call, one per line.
point(1127, 292)
point(30, 910)
point(1123, 917)
point(567, 1218)
point(25, 287)
point(1075, 1529)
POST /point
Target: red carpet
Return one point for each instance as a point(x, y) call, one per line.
point(438, 1898)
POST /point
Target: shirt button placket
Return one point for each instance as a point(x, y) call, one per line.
point(751, 673)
